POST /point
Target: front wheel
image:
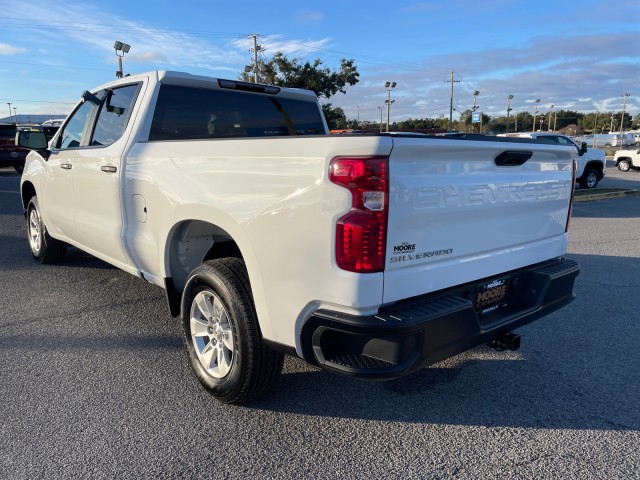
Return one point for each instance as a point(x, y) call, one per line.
point(222, 335)
point(589, 179)
point(44, 248)
point(624, 165)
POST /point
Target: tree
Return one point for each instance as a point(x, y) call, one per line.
point(336, 119)
point(283, 71)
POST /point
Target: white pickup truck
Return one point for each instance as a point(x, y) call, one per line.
point(366, 255)
point(591, 164)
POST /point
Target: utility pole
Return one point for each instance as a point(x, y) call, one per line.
point(452, 81)
point(624, 105)
point(549, 122)
point(535, 112)
point(595, 130)
point(611, 128)
point(509, 98)
point(256, 48)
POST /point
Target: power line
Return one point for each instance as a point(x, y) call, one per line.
point(56, 66)
point(38, 101)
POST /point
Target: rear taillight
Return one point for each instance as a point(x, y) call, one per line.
point(361, 234)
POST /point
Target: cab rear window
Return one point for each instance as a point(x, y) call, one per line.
point(197, 113)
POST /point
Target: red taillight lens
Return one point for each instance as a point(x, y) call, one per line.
point(361, 234)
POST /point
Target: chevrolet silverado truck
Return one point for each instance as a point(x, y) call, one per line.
point(591, 164)
point(626, 160)
point(366, 255)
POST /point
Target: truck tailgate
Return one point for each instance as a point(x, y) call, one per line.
point(464, 210)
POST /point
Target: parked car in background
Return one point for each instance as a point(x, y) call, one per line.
point(627, 159)
point(10, 155)
point(592, 164)
point(54, 122)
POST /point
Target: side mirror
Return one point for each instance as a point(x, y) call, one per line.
point(583, 149)
point(34, 140)
point(31, 140)
point(87, 96)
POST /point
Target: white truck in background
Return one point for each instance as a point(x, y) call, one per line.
point(591, 163)
point(366, 255)
point(627, 160)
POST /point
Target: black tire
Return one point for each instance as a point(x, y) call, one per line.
point(624, 165)
point(589, 179)
point(219, 320)
point(44, 248)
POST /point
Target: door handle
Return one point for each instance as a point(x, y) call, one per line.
point(66, 166)
point(109, 168)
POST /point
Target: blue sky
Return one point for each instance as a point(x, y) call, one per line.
point(579, 55)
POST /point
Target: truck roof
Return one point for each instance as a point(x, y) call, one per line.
point(171, 77)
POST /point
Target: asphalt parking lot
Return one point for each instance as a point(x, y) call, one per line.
point(94, 382)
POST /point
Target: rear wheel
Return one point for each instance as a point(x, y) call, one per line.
point(222, 335)
point(624, 165)
point(589, 179)
point(44, 248)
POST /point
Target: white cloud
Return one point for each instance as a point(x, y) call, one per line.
point(306, 16)
point(277, 43)
point(6, 49)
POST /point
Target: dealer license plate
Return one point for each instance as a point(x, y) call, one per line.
point(490, 295)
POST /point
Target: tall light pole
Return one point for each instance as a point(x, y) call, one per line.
point(15, 114)
point(473, 110)
point(122, 48)
point(549, 122)
point(509, 98)
point(389, 86)
point(535, 112)
point(624, 105)
point(10, 117)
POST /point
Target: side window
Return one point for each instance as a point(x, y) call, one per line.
point(71, 136)
point(114, 114)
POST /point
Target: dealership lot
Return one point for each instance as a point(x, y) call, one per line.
point(94, 382)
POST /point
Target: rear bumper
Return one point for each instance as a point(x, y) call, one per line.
point(418, 332)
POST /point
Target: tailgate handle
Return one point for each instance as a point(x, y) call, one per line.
point(512, 158)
